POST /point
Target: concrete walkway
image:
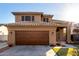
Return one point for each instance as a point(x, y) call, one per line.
point(69, 46)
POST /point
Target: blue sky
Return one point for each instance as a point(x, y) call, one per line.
point(57, 9)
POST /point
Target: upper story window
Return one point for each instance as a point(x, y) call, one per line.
point(22, 18)
point(27, 18)
point(45, 20)
point(32, 18)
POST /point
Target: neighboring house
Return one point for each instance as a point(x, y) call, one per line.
point(36, 28)
point(75, 32)
point(76, 28)
point(3, 33)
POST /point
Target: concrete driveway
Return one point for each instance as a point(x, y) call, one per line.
point(26, 50)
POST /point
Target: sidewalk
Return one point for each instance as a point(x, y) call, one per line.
point(3, 44)
point(69, 46)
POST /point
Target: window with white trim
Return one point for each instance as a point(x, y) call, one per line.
point(27, 18)
point(45, 20)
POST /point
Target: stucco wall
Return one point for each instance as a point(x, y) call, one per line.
point(52, 33)
point(37, 18)
point(3, 33)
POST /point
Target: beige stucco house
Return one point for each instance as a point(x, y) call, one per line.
point(37, 28)
point(3, 33)
point(75, 29)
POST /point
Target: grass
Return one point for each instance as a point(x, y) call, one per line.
point(76, 45)
point(66, 51)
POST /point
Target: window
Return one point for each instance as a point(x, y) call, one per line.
point(22, 18)
point(32, 18)
point(27, 18)
point(45, 19)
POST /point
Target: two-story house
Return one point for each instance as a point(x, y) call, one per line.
point(36, 28)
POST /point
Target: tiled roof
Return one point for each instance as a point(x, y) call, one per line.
point(30, 23)
point(16, 13)
point(36, 24)
point(60, 21)
point(47, 15)
point(34, 13)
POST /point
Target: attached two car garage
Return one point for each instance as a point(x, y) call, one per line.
point(32, 37)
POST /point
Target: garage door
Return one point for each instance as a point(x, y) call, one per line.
point(32, 37)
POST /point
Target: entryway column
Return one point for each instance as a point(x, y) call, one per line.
point(11, 38)
point(61, 34)
point(68, 34)
point(52, 37)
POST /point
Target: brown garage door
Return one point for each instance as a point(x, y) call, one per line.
point(32, 37)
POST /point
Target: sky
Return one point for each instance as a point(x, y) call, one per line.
point(61, 11)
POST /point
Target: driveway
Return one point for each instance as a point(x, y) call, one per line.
point(26, 50)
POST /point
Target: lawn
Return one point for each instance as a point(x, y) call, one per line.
point(77, 45)
point(64, 51)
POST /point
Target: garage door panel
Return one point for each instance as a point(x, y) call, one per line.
point(32, 37)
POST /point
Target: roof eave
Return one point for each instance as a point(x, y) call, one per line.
point(18, 13)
